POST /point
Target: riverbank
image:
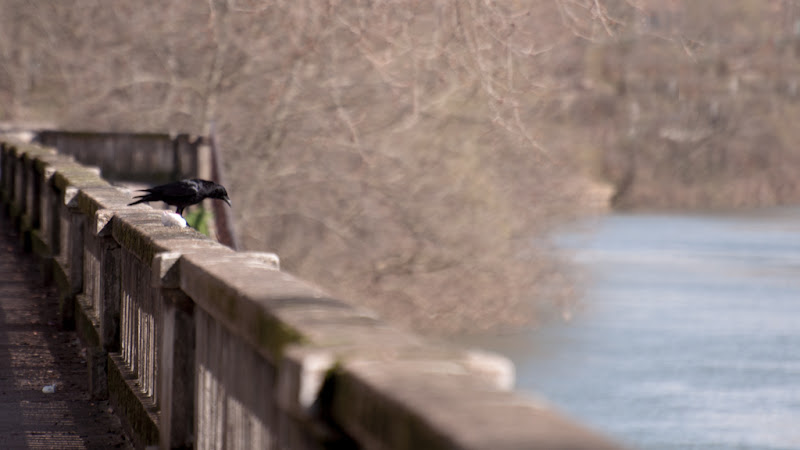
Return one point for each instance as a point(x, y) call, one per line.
point(712, 130)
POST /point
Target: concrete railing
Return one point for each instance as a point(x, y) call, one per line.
point(120, 155)
point(198, 345)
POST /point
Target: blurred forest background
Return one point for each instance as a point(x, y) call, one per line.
point(413, 155)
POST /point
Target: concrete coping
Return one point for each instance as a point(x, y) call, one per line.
point(66, 174)
point(139, 230)
point(72, 174)
point(101, 203)
point(32, 152)
point(45, 163)
point(397, 404)
point(299, 327)
point(23, 150)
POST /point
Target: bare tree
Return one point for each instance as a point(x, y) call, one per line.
point(394, 152)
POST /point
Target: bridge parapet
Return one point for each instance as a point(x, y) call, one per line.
point(198, 345)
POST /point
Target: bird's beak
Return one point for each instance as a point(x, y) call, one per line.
point(227, 200)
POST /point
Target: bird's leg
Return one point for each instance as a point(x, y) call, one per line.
point(179, 211)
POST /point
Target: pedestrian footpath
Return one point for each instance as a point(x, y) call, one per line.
point(44, 400)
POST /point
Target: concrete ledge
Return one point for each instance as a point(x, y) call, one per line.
point(43, 160)
point(139, 230)
point(241, 296)
point(30, 151)
point(394, 405)
point(92, 199)
point(73, 174)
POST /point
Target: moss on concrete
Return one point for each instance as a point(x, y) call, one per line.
point(267, 332)
point(132, 240)
point(273, 335)
point(137, 412)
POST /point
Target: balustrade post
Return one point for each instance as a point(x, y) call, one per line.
point(177, 364)
point(46, 239)
point(110, 295)
point(69, 267)
point(102, 300)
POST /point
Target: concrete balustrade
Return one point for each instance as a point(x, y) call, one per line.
point(200, 346)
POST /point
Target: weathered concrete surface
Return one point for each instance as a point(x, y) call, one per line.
point(34, 353)
point(405, 404)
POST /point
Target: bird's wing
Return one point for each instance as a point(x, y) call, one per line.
point(179, 189)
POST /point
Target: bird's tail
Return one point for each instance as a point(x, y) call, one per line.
point(144, 198)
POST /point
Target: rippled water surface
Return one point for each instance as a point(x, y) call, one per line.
point(688, 334)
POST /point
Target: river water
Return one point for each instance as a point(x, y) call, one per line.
point(687, 335)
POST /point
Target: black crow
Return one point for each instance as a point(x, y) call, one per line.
point(183, 193)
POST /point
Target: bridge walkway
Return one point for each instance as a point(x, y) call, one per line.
point(35, 353)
